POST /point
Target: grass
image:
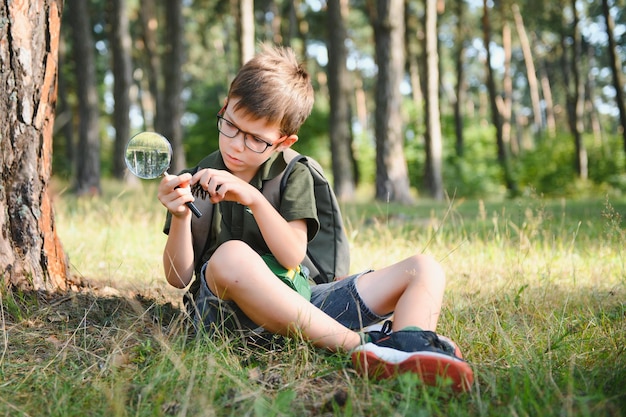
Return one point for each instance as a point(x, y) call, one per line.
point(536, 299)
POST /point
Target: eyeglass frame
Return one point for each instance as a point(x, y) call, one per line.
point(221, 118)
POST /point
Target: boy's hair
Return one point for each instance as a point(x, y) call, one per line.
point(274, 86)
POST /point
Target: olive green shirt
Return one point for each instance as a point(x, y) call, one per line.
point(233, 221)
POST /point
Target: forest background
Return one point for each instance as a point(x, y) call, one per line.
point(408, 97)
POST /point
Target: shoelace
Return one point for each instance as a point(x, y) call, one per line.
point(386, 329)
point(434, 341)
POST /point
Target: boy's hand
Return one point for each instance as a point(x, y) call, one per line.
point(224, 186)
point(174, 192)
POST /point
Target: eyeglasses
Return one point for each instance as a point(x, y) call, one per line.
point(252, 142)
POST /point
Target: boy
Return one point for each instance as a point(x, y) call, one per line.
point(237, 286)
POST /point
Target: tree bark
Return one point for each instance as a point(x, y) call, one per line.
point(173, 82)
point(31, 254)
point(392, 181)
point(547, 96)
point(503, 157)
point(616, 68)
point(87, 179)
point(506, 107)
point(459, 87)
point(577, 100)
point(339, 89)
point(432, 176)
point(245, 28)
point(122, 74)
point(531, 74)
point(152, 104)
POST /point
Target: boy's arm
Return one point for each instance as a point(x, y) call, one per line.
point(286, 240)
point(178, 257)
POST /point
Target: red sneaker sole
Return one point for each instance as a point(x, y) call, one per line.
point(433, 369)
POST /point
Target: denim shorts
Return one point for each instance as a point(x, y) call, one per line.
point(339, 299)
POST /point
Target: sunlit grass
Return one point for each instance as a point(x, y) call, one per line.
point(535, 298)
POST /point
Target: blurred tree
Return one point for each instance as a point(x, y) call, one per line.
point(151, 102)
point(505, 100)
point(63, 145)
point(575, 96)
point(392, 181)
point(496, 117)
point(31, 255)
point(122, 80)
point(616, 67)
point(461, 36)
point(531, 74)
point(245, 29)
point(87, 180)
point(339, 88)
point(169, 122)
point(433, 140)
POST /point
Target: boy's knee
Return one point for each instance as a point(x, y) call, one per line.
point(429, 268)
point(228, 259)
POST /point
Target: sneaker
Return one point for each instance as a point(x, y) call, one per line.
point(432, 357)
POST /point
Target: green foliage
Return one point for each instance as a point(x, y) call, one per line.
point(474, 174)
point(550, 167)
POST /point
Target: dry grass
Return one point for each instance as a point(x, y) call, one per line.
point(535, 299)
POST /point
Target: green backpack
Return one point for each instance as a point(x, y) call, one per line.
point(328, 254)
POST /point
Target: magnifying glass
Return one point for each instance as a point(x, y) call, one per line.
point(148, 156)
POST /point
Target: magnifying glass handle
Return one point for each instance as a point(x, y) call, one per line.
point(194, 209)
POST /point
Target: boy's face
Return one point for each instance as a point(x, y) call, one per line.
point(246, 143)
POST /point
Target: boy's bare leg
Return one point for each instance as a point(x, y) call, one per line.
point(413, 289)
point(235, 272)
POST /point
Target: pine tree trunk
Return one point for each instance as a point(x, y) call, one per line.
point(616, 68)
point(87, 180)
point(122, 74)
point(392, 181)
point(245, 27)
point(152, 103)
point(503, 157)
point(434, 149)
point(31, 255)
point(459, 87)
point(531, 74)
point(173, 82)
point(577, 102)
point(339, 87)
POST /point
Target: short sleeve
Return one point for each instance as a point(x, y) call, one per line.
point(298, 199)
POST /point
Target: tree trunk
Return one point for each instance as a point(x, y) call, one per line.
point(122, 74)
point(459, 87)
point(531, 74)
point(63, 144)
point(392, 181)
point(616, 68)
point(577, 100)
point(245, 29)
point(31, 255)
point(152, 103)
point(506, 108)
point(173, 82)
point(339, 84)
point(503, 157)
point(547, 96)
point(87, 179)
point(432, 176)
point(413, 47)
